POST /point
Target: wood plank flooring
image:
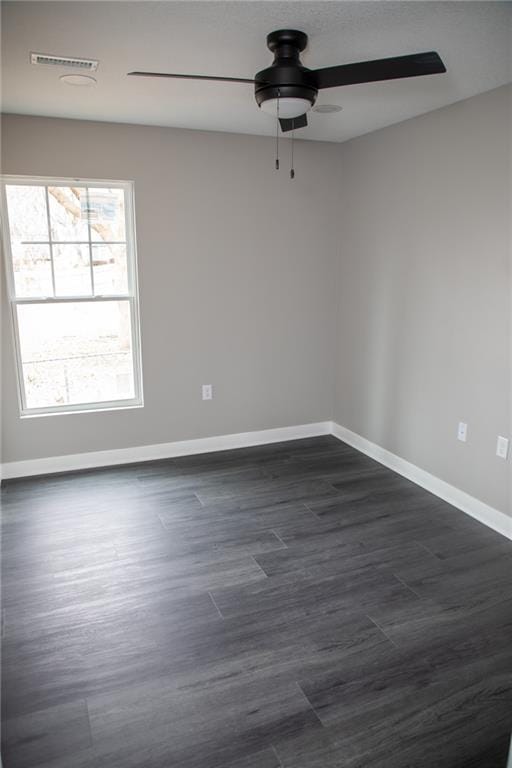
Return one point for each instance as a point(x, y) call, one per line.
point(287, 606)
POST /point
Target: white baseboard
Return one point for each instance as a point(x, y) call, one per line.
point(482, 512)
point(52, 464)
point(491, 517)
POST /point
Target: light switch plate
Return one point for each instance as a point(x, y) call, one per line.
point(462, 431)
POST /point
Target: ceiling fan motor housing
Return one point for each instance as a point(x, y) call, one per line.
point(286, 78)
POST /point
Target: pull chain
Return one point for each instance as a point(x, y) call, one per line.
point(292, 170)
point(277, 134)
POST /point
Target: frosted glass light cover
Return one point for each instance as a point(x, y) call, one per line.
point(288, 107)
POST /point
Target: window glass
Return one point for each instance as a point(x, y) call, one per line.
point(106, 214)
point(66, 219)
point(76, 352)
point(110, 269)
point(28, 219)
point(32, 268)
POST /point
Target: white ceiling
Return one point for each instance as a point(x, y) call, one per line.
point(228, 38)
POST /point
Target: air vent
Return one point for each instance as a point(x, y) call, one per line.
point(85, 65)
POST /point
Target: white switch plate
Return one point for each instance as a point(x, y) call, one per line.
point(207, 392)
point(502, 447)
point(462, 432)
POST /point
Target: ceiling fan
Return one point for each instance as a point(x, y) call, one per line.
point(288, 90)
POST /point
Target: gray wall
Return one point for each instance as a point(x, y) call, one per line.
point(375, 289)
point(235, 264)
point(424, 296)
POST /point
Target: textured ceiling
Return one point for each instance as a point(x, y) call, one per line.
point(228, 38)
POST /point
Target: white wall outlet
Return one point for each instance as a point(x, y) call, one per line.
point(207, 392)
point(462, 431)
point(502, 447)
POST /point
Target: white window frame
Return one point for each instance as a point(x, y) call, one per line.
point(132, 296)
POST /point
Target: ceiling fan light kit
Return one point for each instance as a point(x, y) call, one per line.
point(287, 90)
point(286, 107)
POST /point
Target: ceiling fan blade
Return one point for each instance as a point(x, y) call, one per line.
point(291, 123)
point(413, 65)
point(193, 77)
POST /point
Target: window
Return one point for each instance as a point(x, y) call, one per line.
point(72, 283)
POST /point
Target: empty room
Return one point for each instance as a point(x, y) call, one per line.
point(256, 390)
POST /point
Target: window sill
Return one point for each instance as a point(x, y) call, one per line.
point(78, 411)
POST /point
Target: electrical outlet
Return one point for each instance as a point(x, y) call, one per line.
point(502, 447)
point(462, 432)
point(207, 392)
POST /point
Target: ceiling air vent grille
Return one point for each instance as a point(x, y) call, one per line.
point(85, 65)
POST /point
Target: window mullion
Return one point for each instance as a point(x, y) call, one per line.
point(50, 242)
point(72, 242)
point(73, 299)
point(90, 239)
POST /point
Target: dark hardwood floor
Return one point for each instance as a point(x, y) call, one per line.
point(286, 606)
